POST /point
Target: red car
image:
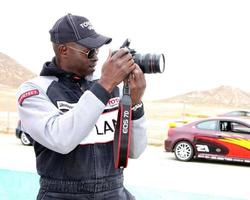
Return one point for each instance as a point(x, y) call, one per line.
point(221, 138)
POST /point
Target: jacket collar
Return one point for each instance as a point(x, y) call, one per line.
point(51, 69)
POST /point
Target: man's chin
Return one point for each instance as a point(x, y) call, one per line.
point(90, 72)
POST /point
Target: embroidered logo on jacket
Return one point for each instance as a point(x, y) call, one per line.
point(64, 106)
point(26, 95)
point(112, 105)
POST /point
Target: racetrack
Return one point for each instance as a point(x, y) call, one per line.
point(158, 170)
point(155, 175)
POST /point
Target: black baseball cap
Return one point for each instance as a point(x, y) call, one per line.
point(73, 28)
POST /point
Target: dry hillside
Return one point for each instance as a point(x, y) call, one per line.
point(220, 96)
point(12, 74)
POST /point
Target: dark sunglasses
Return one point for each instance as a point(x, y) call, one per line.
point(90, 54)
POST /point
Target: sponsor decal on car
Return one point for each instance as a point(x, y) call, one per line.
point(240, 142)
point(202, 148)
point(215, 157)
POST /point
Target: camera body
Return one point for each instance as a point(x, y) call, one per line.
point(149, 63)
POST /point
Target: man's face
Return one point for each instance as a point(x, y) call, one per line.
point(81, 60)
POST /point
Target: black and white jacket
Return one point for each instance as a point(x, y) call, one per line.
point(72, 121)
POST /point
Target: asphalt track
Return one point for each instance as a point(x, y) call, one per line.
point(24, 186)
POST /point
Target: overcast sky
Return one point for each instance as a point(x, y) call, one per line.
point(206, 43)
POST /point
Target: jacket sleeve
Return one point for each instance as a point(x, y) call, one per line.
point(138, 142)
point(49, 126)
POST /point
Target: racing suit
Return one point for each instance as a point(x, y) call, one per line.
point(72, 121)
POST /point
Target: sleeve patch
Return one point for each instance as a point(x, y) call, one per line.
point(27, 94)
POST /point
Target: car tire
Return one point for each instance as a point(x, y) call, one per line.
point(184, 151)
point(24, 139)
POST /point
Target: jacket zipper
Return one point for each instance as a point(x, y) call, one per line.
point(80, 86)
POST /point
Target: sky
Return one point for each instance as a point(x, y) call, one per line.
point(206, 43)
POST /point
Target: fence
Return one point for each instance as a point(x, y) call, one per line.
point(8, 110)
point(8, 122)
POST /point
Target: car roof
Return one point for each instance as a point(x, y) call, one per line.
point(236, 119)
point(235, 112)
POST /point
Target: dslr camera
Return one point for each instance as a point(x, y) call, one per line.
point(149, 63)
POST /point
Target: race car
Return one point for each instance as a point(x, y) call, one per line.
point(221, 138)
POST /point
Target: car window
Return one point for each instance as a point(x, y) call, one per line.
point(207, 125)
point(225, 126)
point(239, 128)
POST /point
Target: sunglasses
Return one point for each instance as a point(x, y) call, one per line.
point(90, 54)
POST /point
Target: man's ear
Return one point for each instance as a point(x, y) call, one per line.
point(62, 49)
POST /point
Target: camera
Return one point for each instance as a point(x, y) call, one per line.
point(149, 63)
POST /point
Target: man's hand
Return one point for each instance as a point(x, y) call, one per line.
point(137, 84)
point(116, 68)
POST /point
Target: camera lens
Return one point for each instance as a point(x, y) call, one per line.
point(150, 63)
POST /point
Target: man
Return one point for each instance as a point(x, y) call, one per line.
point(72, 118)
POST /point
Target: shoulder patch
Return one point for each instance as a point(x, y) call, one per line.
point(27, 95)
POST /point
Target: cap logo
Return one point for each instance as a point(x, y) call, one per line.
point(87, 25)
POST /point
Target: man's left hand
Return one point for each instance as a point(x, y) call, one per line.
point(137, 85)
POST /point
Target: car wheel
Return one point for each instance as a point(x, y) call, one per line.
point(24, 139)
point(184, 151)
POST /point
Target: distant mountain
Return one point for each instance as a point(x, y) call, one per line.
point(223, 95)
point(12, 74)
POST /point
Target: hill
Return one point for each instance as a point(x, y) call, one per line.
point(12, 74)
point(220, 96)
point(191, 106)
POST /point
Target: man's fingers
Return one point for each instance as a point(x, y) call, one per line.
point(122, 53)
point(110, 54)
point(137, 72)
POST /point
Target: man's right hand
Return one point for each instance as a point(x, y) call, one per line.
point(116, 68)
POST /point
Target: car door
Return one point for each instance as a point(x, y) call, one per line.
point(235, 136)
point(206, 139)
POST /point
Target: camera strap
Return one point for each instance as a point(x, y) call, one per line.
point(123, 129)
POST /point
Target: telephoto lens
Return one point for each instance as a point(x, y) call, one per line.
point(150, 63)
